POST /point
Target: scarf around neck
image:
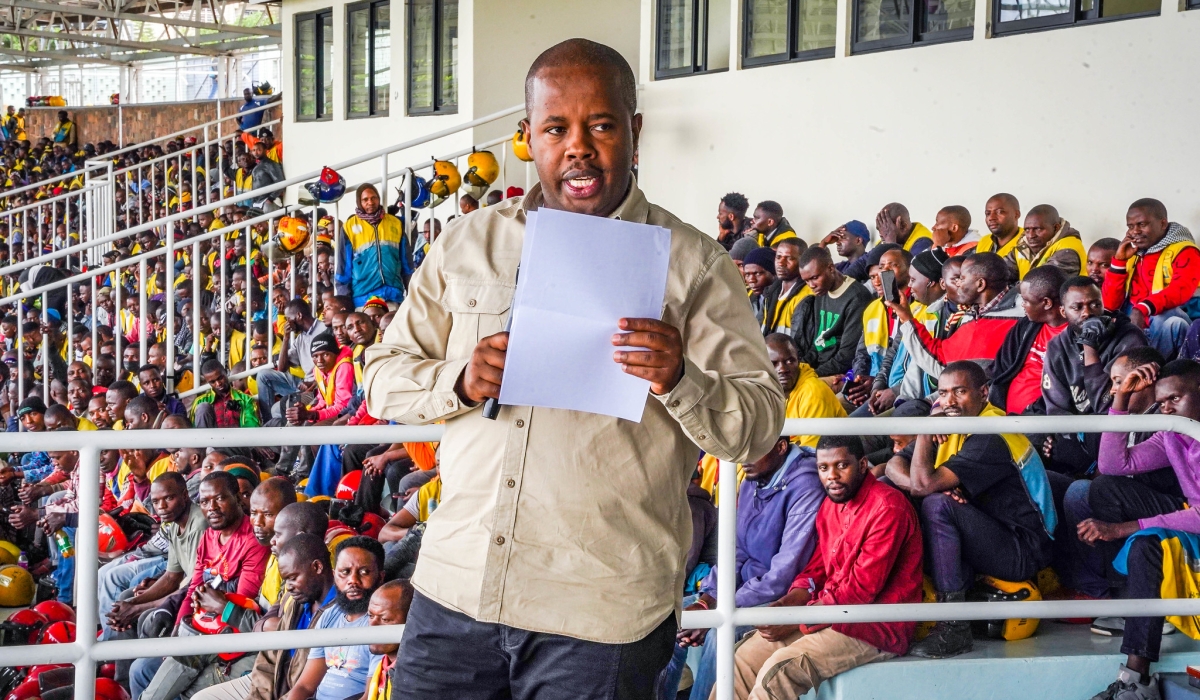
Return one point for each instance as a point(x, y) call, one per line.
point(1176, 233)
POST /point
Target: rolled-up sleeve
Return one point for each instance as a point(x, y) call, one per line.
point(407, 377)
point(728, 400)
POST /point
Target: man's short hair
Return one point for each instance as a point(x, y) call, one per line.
point(1109, 244)
point(736, 202)
point(582, 52)
point(1186, 369)
point(226, 481)
point(148, 368)
point(211, 366)
point(991, 267)
point(1007, 198)
point(298, 305)
point(173, 478)
point(1047, 212)
point(1045, 282)
point(406, 592)
point(1152, 207)
point(362, 542)
point(960, 214)
point(142, 404)
point(771, 208)
point(278, 486)
point(852, 443)
point(1142, 355)
point(972, 369)
point(797, 243)
point(310, 517)
point(1080, 282)
point(815, 253)
point(124, 389)
point(307, 547)
point(782, 340)
point(57, 411)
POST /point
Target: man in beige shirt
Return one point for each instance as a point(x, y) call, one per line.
point(554, 562)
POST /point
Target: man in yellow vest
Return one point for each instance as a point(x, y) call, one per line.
point(895, 225)
point(808, 396)
point(781, 296)
point(1154, 272)
point(1049, 240)
point(1002, 216)
point(769, 227)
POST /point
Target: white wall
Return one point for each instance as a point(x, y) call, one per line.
point(1086, 118)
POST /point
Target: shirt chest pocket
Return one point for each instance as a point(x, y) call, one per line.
point(478, 308)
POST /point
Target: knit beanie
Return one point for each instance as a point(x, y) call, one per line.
point(763, 257)
point(929, 263)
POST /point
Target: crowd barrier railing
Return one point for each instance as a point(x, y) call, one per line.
point(85, 652)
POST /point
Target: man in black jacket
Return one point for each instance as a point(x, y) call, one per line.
point(781, 296)
point(1017, 371)
point(1078, 363)
point(828, 324)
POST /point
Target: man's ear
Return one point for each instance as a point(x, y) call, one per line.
point(526, 133)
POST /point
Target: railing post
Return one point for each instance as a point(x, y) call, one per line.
point(169, 339)
point(196, 292)
point(726, 576)
point(95, 323)
point(45, 351)
point(142, 312)
point(87, 617)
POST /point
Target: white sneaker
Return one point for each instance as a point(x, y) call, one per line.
point(1115, 627)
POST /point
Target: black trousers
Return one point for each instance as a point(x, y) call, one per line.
point(1143, 635)
point(445, 654)
point(370, 489)
point(1119, 499)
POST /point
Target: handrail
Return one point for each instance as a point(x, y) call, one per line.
point(252, 194)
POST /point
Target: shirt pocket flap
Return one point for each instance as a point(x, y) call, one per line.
point(469, 296)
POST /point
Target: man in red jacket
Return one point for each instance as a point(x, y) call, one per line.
point(1154, 272)
point(868, 551)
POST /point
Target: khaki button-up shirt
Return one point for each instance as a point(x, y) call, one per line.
point(560, 521)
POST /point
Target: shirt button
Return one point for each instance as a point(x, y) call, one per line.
point(422, 417)
point(520, 423)
point(499, 539)
point(701, 436)
point(510, 483)
point(471, 303)
point(449, 404)
point(675, 403)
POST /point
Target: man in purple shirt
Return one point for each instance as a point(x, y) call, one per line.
point(776, 508)
point(1122, 508)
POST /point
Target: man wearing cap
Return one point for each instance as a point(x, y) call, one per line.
point(852, 239)
point(526, 504)
point(758, 272)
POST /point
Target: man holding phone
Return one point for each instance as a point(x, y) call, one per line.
point(889, 278)
point(556, 554)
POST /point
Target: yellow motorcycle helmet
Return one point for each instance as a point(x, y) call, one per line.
point(292, 235)
point(9, 553)
point(520, 147)
point(446, 180)
point(482, 171)
point(16, 587)
point(995, 590)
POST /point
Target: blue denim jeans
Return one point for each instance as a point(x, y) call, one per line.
point(64, 570)
point(141, 673)
point(116, 577)
point(1084, 569)
point(1167, 331)
point(272, 383)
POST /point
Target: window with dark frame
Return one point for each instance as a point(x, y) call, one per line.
point(776, 31)
point(691, 37)
point(1016, 16)
point(368, 58)
point(893, 24)
point(314, 65)
point(432, 56)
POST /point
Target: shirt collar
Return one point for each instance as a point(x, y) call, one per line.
point(788, 460)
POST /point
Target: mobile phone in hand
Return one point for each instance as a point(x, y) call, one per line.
point(890, 292)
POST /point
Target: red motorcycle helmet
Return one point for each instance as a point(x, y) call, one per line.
point(35, 671)
point(26, 691)
point(34, 620)
point(112, 537)
point(371, 526)
point(108, 689)
point(108, 670)
point(348, 486)
point(55, 611)
point(58, 633)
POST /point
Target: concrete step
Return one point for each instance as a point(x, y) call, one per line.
point(1060, 662)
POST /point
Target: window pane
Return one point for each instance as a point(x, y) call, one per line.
point(327, 63)
point(675, 32)
point(449, 54)
point(943, 15)
point(360, 89)
point(1012, 10)
point(816, 22)
point(306, 41)
point(420, 54)
point(1116, 8)
point(383, 57)
point(883, 19)
point(767, 20)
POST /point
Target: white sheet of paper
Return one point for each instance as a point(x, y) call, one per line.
point(579, 276)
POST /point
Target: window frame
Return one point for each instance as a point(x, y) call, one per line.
point(373, 109)
point(1075, 17)
point(317, 17)
point(439, 105)
point(699, 62)
point(792, 55)
point(915, 36)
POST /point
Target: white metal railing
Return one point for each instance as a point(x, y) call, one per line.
point(92, 248)
point(85, 651)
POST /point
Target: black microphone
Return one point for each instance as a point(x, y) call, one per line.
point(491, 407)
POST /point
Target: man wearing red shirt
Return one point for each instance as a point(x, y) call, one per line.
point(1017, 371)
point(868, 551)
point(1155, 270)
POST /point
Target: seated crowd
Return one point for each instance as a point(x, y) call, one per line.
point(938, 321)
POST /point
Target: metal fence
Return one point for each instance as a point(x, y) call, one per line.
point(85, 651)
